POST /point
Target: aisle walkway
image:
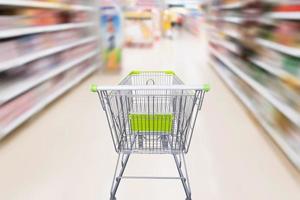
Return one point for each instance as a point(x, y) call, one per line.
point(65, 153)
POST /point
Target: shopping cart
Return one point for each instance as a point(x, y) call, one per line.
point(151, 113)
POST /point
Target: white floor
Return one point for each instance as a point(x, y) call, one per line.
point(66, 153)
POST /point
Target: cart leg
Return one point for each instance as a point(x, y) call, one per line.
point(183, 175)
point(122, 162)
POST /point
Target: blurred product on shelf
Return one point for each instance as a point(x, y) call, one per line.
point(167, 27)
point(271, 118)
point(287, 8)
point(39, 67)
point(31, 99)
point(46, 48)
point(178, 18)
point(157, 26)
point(16, 18)
point(16, 47)
point(285, 32)
point(259, 59)
point(139, 29)
point(226, 2)
point(282, 65)
point(110, 28)
point(192, 21)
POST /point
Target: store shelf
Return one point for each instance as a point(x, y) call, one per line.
point(81, 8)
point(12, 89)
point(45, 5)
point(280, 73)
point(279, 47)
point(228, 32)
point(273, 70)
point(31, 57)
point(213, 18)
point(232, 33)
point(226, 44)
point(277, 137)
point(21, 119)
point(285, 15)
point(236, 20)
point(228, 6)
point(289, 112)
point(41, 29)
point(235, 5)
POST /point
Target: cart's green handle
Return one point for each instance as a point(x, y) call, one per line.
point(137, 72)
point(206, 87)
point(93, 88)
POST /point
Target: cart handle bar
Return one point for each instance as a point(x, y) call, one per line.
point(95, 88)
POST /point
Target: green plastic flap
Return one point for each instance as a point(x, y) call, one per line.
point(151, 123)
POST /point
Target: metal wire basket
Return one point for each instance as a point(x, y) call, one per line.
point(151, 113)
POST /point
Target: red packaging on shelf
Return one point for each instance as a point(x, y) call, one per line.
point(287, 8)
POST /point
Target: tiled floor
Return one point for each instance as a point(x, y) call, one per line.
point(66, 153)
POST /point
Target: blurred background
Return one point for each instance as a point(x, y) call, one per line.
point(55, 141)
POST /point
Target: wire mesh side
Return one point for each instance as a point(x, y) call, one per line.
point(151, 121)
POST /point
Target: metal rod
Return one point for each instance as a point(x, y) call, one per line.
point(151, 177)
point(183, 181)
point(117, 180)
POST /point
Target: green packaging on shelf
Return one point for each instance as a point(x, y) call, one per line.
point(291, 64)
point(257, 73)
point(266, 33)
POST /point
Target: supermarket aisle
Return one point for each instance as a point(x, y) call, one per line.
point(66, 152)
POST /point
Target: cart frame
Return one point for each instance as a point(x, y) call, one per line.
point(151, 112)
